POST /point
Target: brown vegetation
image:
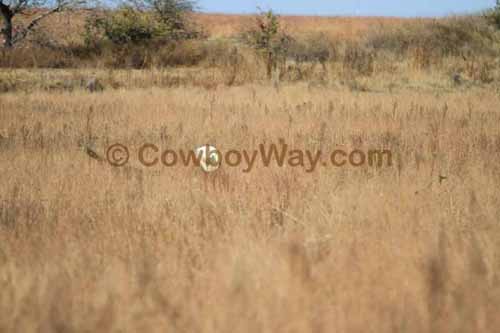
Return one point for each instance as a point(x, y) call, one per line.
point(345, 48)
point(87, 247)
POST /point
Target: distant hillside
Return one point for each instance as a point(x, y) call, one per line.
point(66, 27)
point(221, 25)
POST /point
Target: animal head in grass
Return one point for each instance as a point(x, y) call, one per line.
point(209, 158)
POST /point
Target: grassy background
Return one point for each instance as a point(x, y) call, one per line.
point(88, 247)
point(85, 247)
point(361, 54)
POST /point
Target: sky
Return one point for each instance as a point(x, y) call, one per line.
point(406, 8)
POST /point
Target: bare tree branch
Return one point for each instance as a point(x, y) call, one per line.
point(10, 8)
point(20, 35)
point(20, 6)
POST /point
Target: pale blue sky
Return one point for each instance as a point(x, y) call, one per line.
point(349, 7)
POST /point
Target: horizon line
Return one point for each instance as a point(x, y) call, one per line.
point(284, 13)
point(336, 15)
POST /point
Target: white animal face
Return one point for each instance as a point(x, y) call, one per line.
point(209, 158)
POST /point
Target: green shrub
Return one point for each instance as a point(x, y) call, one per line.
point(146, 21)
point(269, 39)
point(123, 26)
point(494, 15)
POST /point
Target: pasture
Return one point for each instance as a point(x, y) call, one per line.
point(411, 247)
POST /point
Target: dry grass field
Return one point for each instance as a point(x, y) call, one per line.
point(221, 25)
point(88, 247)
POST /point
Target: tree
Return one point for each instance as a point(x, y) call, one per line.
point(268, 37)
point(10, 8)
point(142, 21)
point(493, 15)
point(171, 14)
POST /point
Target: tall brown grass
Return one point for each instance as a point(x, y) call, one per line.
point(88, 247)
